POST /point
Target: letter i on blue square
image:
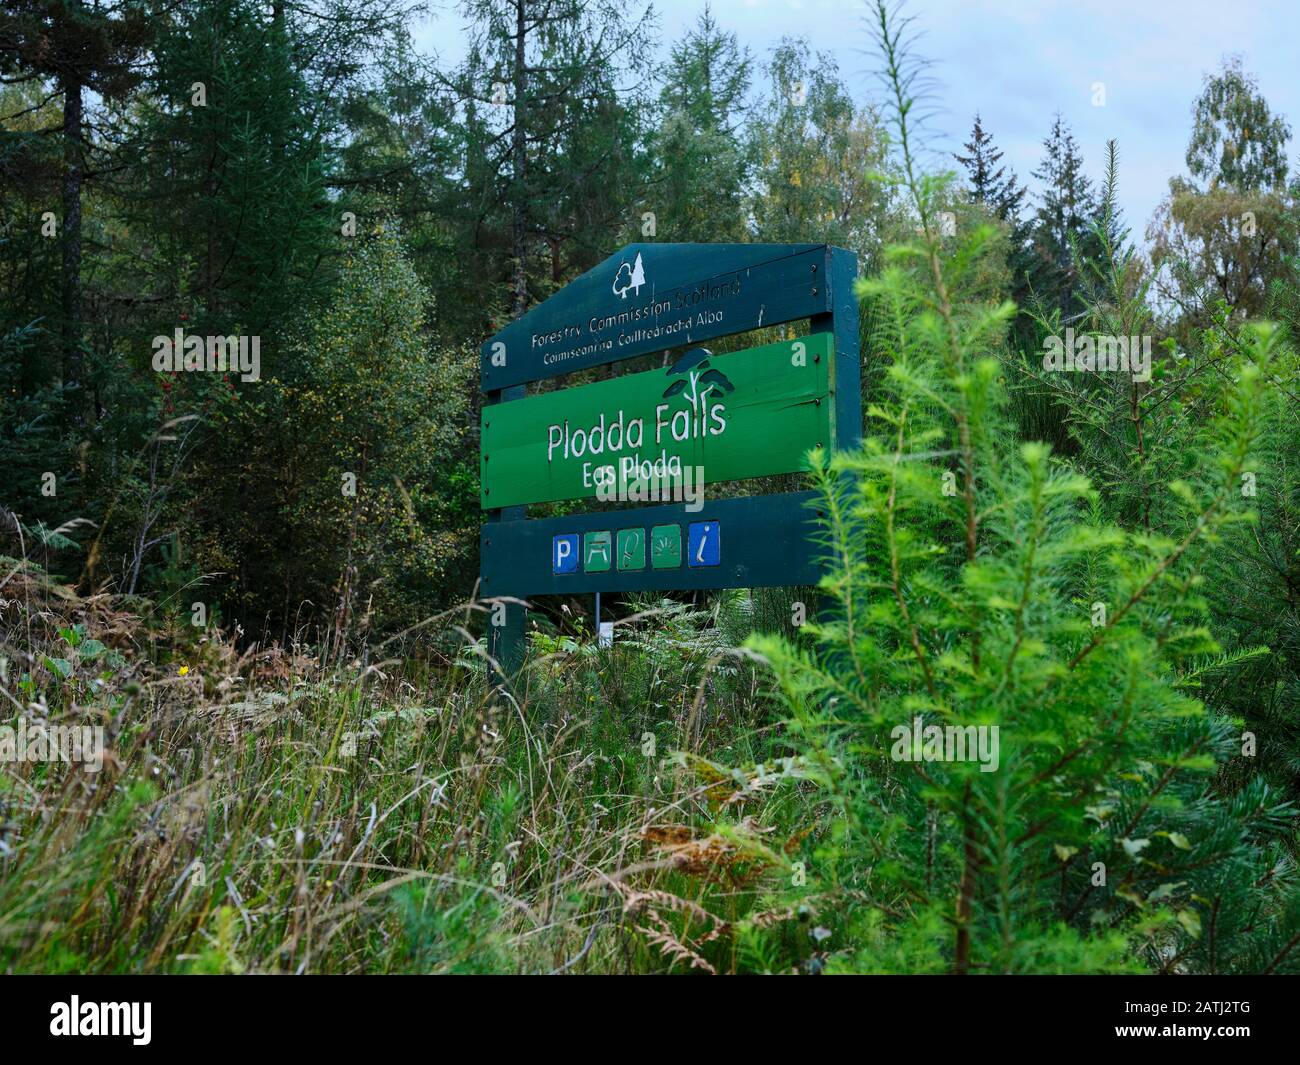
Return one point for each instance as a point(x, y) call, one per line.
point(564, 553)
point(704, 543)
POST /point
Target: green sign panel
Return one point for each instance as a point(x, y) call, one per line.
point(661, 435)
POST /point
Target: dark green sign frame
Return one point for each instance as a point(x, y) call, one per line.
point(649, 298)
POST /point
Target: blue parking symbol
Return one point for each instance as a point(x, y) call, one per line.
point(564, 553)
point(704, 543)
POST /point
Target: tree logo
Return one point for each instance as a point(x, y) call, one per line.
point(629, 277)
point(701, 380)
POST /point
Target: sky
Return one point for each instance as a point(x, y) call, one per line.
point(1018, 62)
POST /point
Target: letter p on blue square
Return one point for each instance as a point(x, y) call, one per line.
point(564, 553)
point(704, 543)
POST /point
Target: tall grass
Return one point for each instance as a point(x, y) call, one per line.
point(258, 812)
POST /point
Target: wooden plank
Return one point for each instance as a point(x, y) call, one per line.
point(505, 644)
point(651, 297)
point(708, 419)
point(749, 542)
point(842, 323)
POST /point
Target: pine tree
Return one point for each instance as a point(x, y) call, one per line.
point(222, 207)
point(997, 187)
point(407, 158)
point(990, 183)
point(1061, 226)
point(241, 145)
point(700, 165)
point(539, 86)
point(79, 48)
point(1117, 421)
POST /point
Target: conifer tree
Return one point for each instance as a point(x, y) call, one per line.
point(537, 70)
point(995, 185)
point(1061, 222)
point(80, 48)
point(701, 167)
point(990, 182)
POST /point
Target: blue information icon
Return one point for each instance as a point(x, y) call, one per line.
point(704, 543)
point(564, 553)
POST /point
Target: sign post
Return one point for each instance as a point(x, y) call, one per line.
point(656, 439)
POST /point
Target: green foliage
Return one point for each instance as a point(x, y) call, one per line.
point(551, 151)
point(818, 158)
point(1236, 140)
point(1062, 221)
point(435, 828)
point(1015, 601)
point(1226, 234)
point(697, 191)
point(1220, 246)
point(244, 152)
point(1102, 568)
point(369, 418)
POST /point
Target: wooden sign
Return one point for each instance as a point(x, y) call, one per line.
point(705, 419)
point(746, 414)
